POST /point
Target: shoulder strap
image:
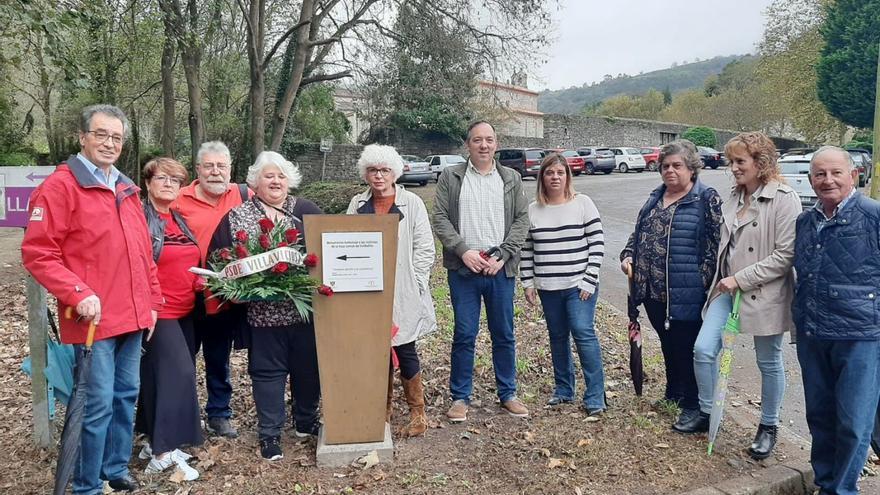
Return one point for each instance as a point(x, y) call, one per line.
point(243, 190)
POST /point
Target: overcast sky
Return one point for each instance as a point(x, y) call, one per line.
point(598, 37)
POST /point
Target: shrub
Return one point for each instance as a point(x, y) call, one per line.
point(16, 159)
point(332, 197)
point(700, 136)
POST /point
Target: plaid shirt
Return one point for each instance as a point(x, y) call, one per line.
point(824, 219)
point(481, 208)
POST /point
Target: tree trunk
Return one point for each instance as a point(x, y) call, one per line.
point(168, 104)
point(46, 102)
point(191, 56)
point(301, 54)
point(257, 94)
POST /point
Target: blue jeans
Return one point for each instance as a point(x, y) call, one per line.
point(496, 292)
point(768, 355)
point(566, 315)
point(108, 424)
point(841, 390)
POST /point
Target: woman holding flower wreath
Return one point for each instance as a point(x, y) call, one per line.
point(282, 340)
point(413, 311)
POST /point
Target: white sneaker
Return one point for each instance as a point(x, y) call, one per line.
point(179, 454)
point(159, 464)
point(145, 453)
point(189, 473)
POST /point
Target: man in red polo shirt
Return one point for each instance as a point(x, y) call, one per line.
point(203, 204)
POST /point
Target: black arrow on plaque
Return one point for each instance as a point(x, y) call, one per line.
point(346, 257)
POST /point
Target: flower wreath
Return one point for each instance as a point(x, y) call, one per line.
point(270, 267)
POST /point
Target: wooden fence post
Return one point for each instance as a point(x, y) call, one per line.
point(38, 326)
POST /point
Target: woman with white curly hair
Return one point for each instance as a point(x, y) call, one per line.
point(413, 313)
point(281, 343)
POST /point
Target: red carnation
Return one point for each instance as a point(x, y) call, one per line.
point(264, 241)
point(325, 290)
point(484, 255)
point(311, 260)
point(241, 236)
point(241, 251)
point(291, 235)
point(280, 267)
point(283, 244)
point(266, 225)
point(199, 284)
point(225, 254)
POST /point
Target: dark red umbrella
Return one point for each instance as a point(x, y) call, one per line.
point(73, 420)
point(635, 338)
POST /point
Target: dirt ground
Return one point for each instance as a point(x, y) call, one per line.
point(629, 450)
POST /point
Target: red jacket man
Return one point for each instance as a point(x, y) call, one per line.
point(87, 242)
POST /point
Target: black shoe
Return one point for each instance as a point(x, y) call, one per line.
point(221, 427)
point(311, 431)
point(764, 442)
point(556, 400)
point(270, 448)
point(692, 421)
point(127, 483)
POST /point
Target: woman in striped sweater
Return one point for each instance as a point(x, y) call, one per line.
point(560, 264)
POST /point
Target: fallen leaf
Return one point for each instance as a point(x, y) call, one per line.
point(583, 442)
point(339, 475)
point(555, 463)
point(545, 452)
point(205, 464)
point(379, 475)
point(578, 491)
point(369, 460)
point(661, 445)
point(529, 437)
point(177, 477)
point(735, 403)
point(572, 466)
point(473, 430)
point(592, 419)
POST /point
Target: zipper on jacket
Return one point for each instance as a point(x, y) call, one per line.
point(668, 238)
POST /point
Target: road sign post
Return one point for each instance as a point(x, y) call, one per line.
point(326, 147)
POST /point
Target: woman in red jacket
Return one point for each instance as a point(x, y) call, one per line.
point(168, 408)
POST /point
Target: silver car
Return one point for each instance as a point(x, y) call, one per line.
point(796, 170)
point(415, 170)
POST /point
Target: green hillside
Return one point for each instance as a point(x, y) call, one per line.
point(686, 76)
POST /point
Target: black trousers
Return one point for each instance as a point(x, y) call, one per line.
point(408, 358)
point(677, 344)
point(275, 353)
point(168, 406)
point(214, 334)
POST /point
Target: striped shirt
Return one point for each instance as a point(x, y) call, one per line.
point(481, 208)
point(564, 247)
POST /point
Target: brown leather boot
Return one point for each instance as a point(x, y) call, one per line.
point(415, 397)
point(389, 404)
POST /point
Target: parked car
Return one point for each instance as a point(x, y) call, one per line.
point(710, 157)
point(575, 161)
point(862, 159)
point(651, 154)
point(627, 159)
point(438, 163)
point(526, 161)
point(415, 170)
point(796, 171)
point(597, 159)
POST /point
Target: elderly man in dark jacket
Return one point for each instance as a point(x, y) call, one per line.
point(837, 259)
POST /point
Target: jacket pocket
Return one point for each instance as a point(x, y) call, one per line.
point(852, 305)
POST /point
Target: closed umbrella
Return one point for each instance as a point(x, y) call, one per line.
point(73, 420)
point(636, 369)
point(731, 330)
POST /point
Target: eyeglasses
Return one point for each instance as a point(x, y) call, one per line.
point(175, 181)
point(384, 172)
point(222, 167)
point(102, 136)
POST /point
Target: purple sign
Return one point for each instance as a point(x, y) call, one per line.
point(16, 186)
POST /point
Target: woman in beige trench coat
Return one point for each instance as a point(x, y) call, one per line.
point(754, 256)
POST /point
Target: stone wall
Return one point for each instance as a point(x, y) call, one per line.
point(560, 131)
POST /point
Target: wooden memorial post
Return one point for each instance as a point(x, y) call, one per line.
point(358, 255)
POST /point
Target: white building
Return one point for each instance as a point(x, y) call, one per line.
point(513, 108)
